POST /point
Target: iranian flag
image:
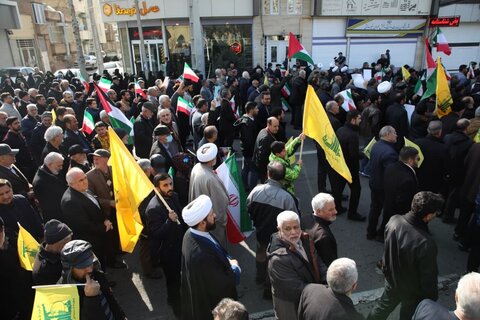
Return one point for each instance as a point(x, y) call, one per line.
point(431, 65)
point(139, 90)
point(88, 123)
point(116, 116)
point(297, 51)
point(188, 73)
point(184, 106)
point(348, 103)
point(285, 105)
point(239, 225)
point(84, 82)
point(286, 90)
point(235, 110)
point(104, 84)
point(441, 42)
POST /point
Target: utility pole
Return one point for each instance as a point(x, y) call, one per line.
point(142, 41)
point(96, 39)
point(78, 41)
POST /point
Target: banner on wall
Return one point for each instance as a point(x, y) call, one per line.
point(391, 28)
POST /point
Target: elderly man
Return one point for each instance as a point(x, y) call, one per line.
point(336, 304)
point(262, 148)
point(324, 213)
point(72, 135)
point(80, 265)
point(292, 264)
point(78, 158)
point(83, 214)
point(37, 142)
point(203, 254)
point(203, 180)
point(409, 259)
point(29, 122)
point(152, 96)
point(467, 299)
point(54, 138)
point(165, 117)
point(9, 171)
point(49, 186)
point(143, 130)
point(47, 268)
point(164, 145)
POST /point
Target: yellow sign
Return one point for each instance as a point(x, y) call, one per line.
point(56, 302)
point(109, 9)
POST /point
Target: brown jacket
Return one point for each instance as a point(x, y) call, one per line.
point(103, 191)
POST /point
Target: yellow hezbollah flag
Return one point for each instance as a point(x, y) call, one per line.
point(405, 73)
point(56, 302)
point(54, 116)
point(409, 143)
point(317, 126)
point(444, 98)
point(368, 148)
point(27, 248)
point(477, 137)
point(131, 186)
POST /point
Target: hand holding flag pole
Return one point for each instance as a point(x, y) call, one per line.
point(164, 202)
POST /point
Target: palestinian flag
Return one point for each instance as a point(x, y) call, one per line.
point(430, 63)
point(285, 105)
point(184, 106)
point(88, 122)
point(84, 82)
point(286, 90)
point(297, 51)
point(239, 225)
point(139, 90)
point(117, 117)
point(348, 103)
point(418, 90)
point(104, 84)
point(441, 42)
point(188, 73)
point(431, 85)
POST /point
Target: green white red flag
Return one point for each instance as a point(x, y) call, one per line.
point(139, 90)
point(431, 65)
point(297, 51)
point(104, 84)
point(188, 73)
point(239, 225)
point(88, 123)
point(441, 42)
point(184, 106)
point(286, 90)
point(348, 103)
point(84, 82)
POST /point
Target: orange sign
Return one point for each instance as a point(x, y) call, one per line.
point(119, 11)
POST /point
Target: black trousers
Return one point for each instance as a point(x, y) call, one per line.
point(338, 184)
point(322, 169)
point(174, 281)
point(389, 301)
point(376, 205)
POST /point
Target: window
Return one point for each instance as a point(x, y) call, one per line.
point(27, 52)
point(294, 6)
point(271, 7)
point(39, 13)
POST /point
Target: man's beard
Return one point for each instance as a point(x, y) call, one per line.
point(211, 226)
point(168, 194)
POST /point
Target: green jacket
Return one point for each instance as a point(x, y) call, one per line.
point(292, 170)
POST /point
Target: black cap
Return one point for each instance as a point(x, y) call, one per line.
point(56, 231)
point(101, 153)
point(150, 106)
point(22, 94)
point(76, 149)
point(77, 254)
point(161, 130)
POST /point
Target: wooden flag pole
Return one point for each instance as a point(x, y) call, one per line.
point(301, 150)
point(164, 202)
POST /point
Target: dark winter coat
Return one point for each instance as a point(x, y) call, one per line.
point(49, 190)
point(143, 129)
point(382, 154)
point(324, 240)
point(400, 185)
point(433, 172)
point(47, 268)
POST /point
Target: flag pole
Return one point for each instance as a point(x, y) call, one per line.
point(301, 150)
point(164, 202)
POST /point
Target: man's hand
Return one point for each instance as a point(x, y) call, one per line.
point(301, 136)
point(233, 262)
point(92, 287)
point(108, 225)
point(173, 216)
point(213, 105)
point(300, 162)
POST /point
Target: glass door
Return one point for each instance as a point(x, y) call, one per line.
point(152, 53)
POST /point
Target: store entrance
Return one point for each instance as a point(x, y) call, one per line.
point(154, 53)
point(276, 51)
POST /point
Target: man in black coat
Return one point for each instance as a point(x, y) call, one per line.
point(166, 230)
point(49, 186)
point(449, 121)
point(162, 145)
point(248, 135)
point(82, 213)
point(37, 142)
point(72, 135)
point(383, 153)
point(47, 268)
point(432, 174)
point(143, 130)
point(458, 144)
point(409, 259)
point(348, 137)
point(324, 213)
point(262, 148)
point(264, 110)
point(15, 140)
point(297, 98)
point(226, 132)
point(10, 172)
point(396, 116)
point(400, 184)
point(336, 304)
point(209, 273)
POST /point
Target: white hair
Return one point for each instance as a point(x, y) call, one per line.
point(246, 75)
point(468, 295)
point(52, 132)
point(52, 157)
point(162, 99)
point(385, 131)
point(32, 90)
point(152, 90)
point(67, 93)
point(31, 106)
point(71, 174)
point(287, 216)
point(320, 200)
point(103, 114)
point(204, 118)
point(144, 164)
point(342, 274)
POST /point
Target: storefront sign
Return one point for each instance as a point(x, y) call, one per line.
point(401, 28)
point(115, 9)
point(445, 21)
point(374, 7)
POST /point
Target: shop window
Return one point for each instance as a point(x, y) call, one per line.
point(294, 6)
point(179, 47)
point(271, 7)
point(27, 52)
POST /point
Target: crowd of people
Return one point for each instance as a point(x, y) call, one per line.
point(56, 183)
